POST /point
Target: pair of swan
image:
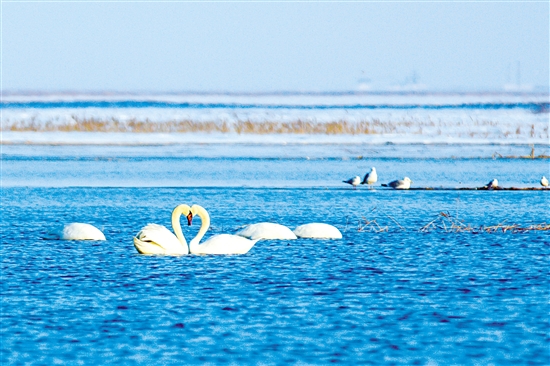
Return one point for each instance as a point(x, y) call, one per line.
point(268, 230)
point(157, 239)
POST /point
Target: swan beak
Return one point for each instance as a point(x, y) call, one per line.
point(189, 218)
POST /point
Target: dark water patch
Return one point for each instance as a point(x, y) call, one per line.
point(121, 104)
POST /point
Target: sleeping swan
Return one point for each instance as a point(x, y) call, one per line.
point(266, 230)
point(317, 230)
point(76, 231)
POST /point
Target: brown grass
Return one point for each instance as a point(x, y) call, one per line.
point(338, 127)
point(443, 222)
point(449, 224)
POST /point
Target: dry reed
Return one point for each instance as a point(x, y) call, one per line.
point(443, 222)
point(299, 126)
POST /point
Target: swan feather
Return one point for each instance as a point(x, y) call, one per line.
point(267, 230)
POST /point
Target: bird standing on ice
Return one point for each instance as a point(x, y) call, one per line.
point(492, 184)
point(355, 181)
point(544, 181)
point(371, 177)
point(404, 183)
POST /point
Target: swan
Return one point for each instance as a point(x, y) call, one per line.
point(404, 183)
point(371, 177)
point(218, 244)
point(157, 239)
point(355, 181)
point(77, 231)
point(544, 181)
point(266, 230)
point(318, 230)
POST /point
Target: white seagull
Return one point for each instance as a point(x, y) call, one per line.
point(544, 181)
point(492, 184)
point(371, 177)
point(404, 183)
point(355, 181)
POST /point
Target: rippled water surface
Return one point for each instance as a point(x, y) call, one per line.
point(386, 293)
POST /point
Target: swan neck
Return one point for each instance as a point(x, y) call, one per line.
point(205, 224)
point(176, 225)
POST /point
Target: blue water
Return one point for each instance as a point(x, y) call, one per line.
point(399, 296)
point(276, 166)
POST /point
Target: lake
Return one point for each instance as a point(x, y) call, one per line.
point(388, 292)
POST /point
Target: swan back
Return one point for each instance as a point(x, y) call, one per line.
point(77, 231)
point(224, 244)
point(267, 230)
point(317, 230)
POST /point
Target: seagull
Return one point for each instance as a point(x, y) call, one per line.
point(492, 184)
point(371, 177)
point(404, 183)
point(544, 181)
point(355, 181)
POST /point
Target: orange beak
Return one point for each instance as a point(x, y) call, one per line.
point(189, 219)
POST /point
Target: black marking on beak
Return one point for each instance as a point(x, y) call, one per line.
point(189, 218)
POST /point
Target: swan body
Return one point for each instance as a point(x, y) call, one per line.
point(218, 244)
point(157, 239)
point(492, 184)
point(267, 230)
point(318, 230)
point(404, 183)
point(77, 231)
point(371, 177)
point(355, 181)
point(544, 181)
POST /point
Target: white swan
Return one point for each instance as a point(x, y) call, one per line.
point(218, 244)
point(157, 239)
point(544, 181)
point(318, 230)
point(267, 230)
point(77, 231)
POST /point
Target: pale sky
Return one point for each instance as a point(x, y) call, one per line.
point(277, 46)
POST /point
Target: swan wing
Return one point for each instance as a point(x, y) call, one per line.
point(267, 230)
point(225, 244)
point(157, 239)
point(317, 230)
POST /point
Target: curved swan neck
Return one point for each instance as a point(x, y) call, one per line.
point(205, 224)
point(176, 215)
